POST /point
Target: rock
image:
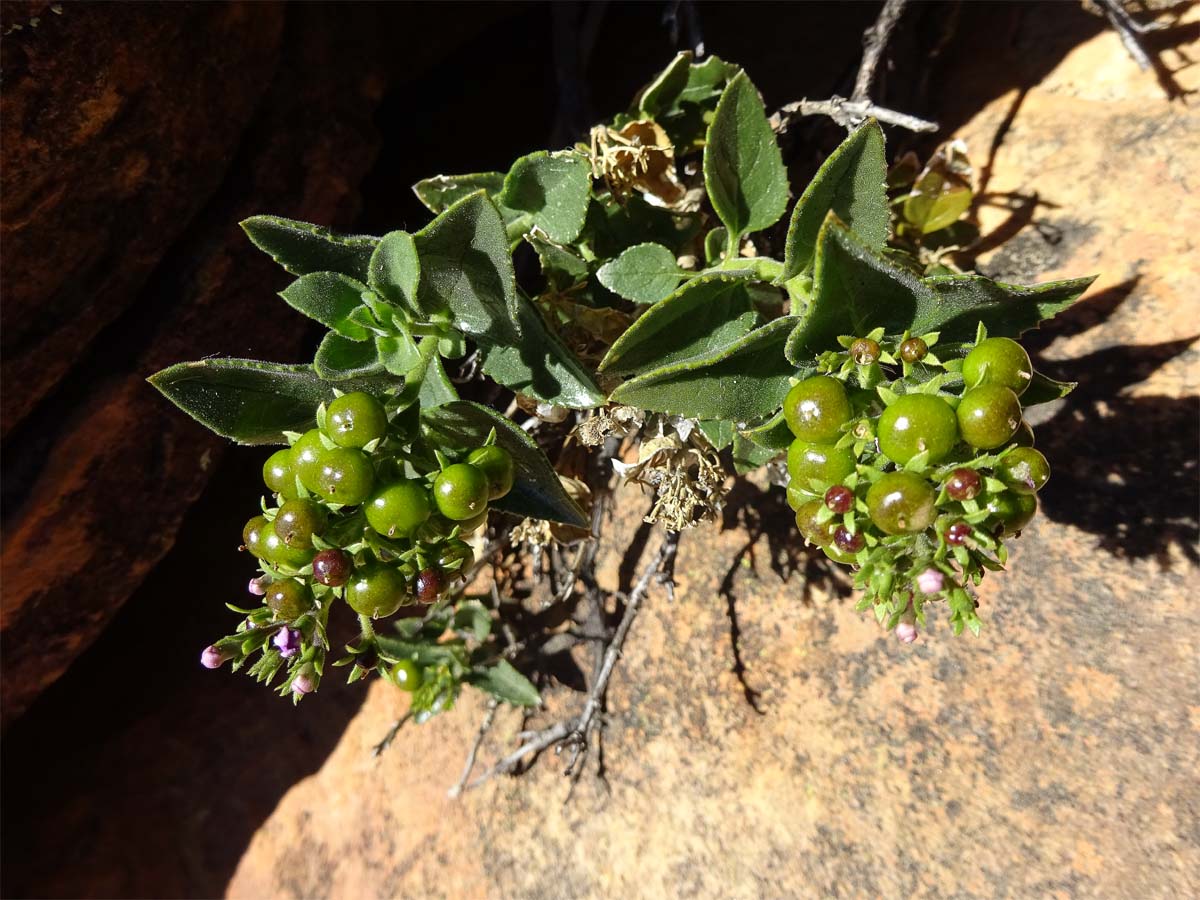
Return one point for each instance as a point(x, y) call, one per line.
point(1054, 755)
point(111, 467)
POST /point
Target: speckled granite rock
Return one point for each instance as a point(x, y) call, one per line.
point(1055, 756)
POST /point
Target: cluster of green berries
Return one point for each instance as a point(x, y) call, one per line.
point(362, 516)
point(899, 484)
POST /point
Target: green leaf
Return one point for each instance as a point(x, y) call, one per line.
point(552, 188)
point(743, 168)
point(466, 269)
point(436, 388)
point(395, 269)
point(748, 456)
point(849, 183)
point(643, 273)
point(612, 227)
point(856, 289)
point(719, 433)
point(505, 683)
point(561, 266)
point(773, 433)
point(443, 191)
point(704, 315)
point(540, 364)
point(474, 618)
point(961, 302)
point(330, 298)
point(1043, 390)
point(741, 381)
point(253, 402)
point(537, 491)
point(664, 92)
point(302, 248)
point(339, 358)
point(398, 353)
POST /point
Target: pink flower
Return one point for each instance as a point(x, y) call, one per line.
point(303, 684)
point(931, 581)
point(906, 632)
point(287, 640)
point(258, 586)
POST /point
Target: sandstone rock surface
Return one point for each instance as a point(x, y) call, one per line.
point(1056, 755)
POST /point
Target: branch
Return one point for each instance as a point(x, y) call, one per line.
point(391, 735)
point(488, 718)
point(1128, 30)
point(875, 40)
point(847, 113)
point(577, 729)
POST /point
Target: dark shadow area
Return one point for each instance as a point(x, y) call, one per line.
point(141, 774)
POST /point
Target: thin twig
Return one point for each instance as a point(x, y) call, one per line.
point(391, 735)
point(488, 718)
point(576, 729)
point(847, 113)
point(875, 40)
point(1128, 30)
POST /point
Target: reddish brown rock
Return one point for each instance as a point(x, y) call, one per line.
point(1056, 755)
point(112, 465)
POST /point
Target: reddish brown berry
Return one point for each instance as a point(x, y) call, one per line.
point(963, 484)
point(839, 499)
point(332, 567)
point(865, 351)
point(428, 586)
point(958, 533)
point(847, 542)
point(913, 350)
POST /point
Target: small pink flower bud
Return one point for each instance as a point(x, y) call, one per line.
point(931, 581)
point(212, 658)
point(303, 684)
point(258, 586)
point(906, 632)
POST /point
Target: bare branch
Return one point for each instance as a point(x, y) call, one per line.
point(875, 41)
point(576, 730)
point(1128, 30)
point(488, 718)
point(391, 735)
point(847, 113)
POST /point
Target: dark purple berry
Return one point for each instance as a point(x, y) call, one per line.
point(847, 542)
point(332, 567)
point(839, 499)
point(428, 586)
point(958, 533)
point(963, 484)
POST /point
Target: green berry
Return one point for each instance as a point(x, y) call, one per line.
point(277, 553)
point(298, 520)
point(1012, 511)
point(796, 497)
point(399, 509)
point(989, 416)
point(307, 453)
point(252, 536)
point(838, 555)
point(1024, 470)
point(915, 423)
point(354, 420)
point(823, 462)
point(456, 556)
point(461, 492)
point(376, 590)
point(1024, 435)
point(819, 533)
point(289, 599)
point(346, 476)
point(998, 361)
point(901, 503)
point(407, 675)
point(473, 524)
point(816, 409)
point(497, 464)
point(279, 474)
